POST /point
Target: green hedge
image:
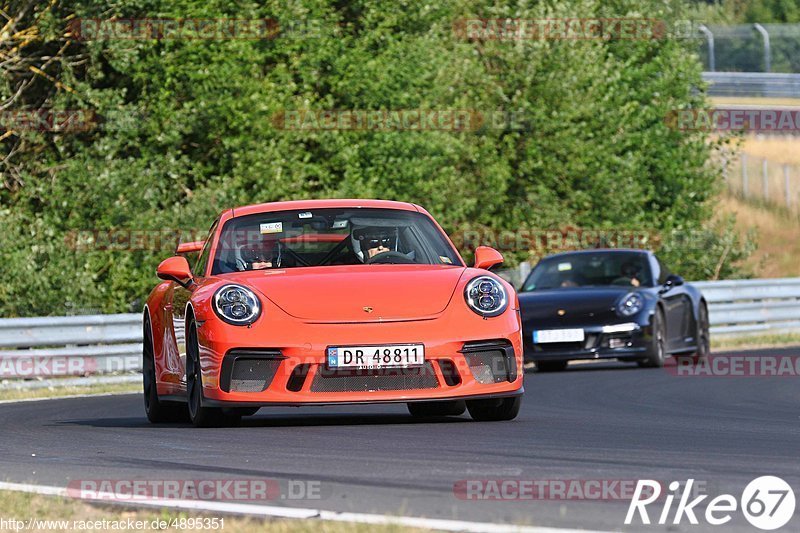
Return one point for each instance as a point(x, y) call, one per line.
point(187, 129)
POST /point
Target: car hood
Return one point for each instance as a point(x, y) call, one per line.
point(571, 306)
point(360, 293)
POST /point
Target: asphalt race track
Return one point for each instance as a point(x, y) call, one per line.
point(599, 421)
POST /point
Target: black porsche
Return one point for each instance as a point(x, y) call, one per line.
point(610, 304)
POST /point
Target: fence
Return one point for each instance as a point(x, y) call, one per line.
point(750, 47)
point(77, 345)
point(99, 344)
point(758, 178)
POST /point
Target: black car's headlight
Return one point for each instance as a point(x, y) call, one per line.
point(237, 305)
point(630, 304)
point(486, 296)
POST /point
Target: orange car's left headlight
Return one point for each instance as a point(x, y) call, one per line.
point(486, 296)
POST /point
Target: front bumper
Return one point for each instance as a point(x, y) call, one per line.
point(598, 344)
point(268, 366)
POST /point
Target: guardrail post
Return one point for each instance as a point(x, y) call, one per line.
point(767, 52)
point(712, 63)
point(765, 178)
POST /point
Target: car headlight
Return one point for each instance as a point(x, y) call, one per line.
point(630, 304)
point(237, 305)
point(486, 296)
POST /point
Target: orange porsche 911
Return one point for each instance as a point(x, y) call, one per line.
point(330, 302)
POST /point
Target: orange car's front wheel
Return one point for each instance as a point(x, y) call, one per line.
point(200, 415)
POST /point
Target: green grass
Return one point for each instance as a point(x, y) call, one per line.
point(774, 340)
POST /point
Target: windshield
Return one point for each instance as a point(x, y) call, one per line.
point(326, 237)
point(626, 269)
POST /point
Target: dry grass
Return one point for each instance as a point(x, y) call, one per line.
point(777, 149)
point(753, 100)
point(23, 506)
point(778, 252)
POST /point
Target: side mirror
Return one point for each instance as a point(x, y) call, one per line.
point(175, 268)
point(673, 280)
point(486, 257)
point(189, 247)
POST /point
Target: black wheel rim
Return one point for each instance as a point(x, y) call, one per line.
point(193, 379)
point(660, 340)
point(705, 341)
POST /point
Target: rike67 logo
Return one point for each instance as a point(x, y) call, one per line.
point(767, 502)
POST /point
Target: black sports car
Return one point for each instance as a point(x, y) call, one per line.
point(620, 304)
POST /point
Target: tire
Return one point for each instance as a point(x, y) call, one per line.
point(432, 409)
point(703, 336)
point(200, 415)
point(495, 409)
point(551, 366)
point(656, 347)
point(157, 410)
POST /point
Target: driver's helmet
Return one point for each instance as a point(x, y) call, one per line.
point(263, 252)
point(629, 270)
point(372, 237)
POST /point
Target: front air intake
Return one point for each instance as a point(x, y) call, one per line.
point(249, 370)
point(491, 361)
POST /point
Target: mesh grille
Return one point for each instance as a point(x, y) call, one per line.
point(253, 375)
point(422, 377)
point(488, 366)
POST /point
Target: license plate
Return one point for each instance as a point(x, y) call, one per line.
point(383, 356)
point(543, 336)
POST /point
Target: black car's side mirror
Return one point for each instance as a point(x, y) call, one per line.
point(673, 280)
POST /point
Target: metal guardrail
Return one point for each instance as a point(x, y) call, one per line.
point(753, 84)
point(752, 306)
point(46, 347)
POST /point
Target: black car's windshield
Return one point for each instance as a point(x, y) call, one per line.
point(325, 237)
point(627, 269)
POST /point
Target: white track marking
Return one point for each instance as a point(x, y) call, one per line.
point(272, 511)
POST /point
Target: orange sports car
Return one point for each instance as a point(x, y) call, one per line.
point(330, 302)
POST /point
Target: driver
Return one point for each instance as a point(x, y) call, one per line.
point(261, 257)
point(629, 275)
point(370, 242)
